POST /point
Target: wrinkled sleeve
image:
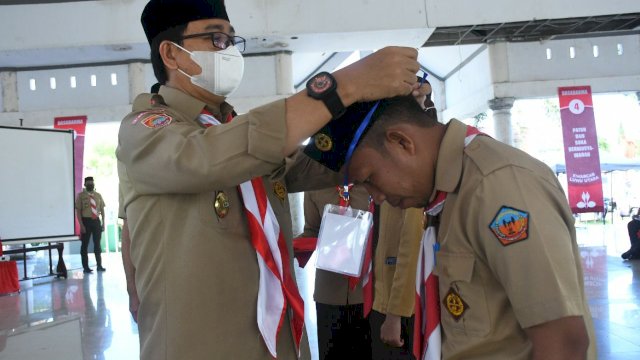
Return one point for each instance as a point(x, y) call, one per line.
point(302, 173)
point(403, 289)
point(184, 158)
point(102, 204)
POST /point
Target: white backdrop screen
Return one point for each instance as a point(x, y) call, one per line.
point(36, 183)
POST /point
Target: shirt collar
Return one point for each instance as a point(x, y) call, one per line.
point(191, 106)
point(450, 155)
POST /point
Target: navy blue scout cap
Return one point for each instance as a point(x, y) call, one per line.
point(333, 145)
point(330, 145)
point(160, 15)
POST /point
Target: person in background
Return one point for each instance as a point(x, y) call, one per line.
point(634, 237)
point(343, 330)
point(205, 191)
point(89, 210)
point(396, 255)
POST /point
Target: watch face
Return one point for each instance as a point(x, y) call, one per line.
point(321, 83)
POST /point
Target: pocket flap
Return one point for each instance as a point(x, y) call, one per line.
point(455, 266)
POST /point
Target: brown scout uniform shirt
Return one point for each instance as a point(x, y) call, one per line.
point(197, 273)
point(395, 260)
point(502, 289)
point(331, 288)
point(84, 205)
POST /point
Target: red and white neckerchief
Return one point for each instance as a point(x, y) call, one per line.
point(427, 338)
point(366, 274)
point(94, 206)
point(277, 288)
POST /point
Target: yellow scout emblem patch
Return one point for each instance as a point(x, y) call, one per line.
point(454, 304)
point(279, 190)
point(221, 204)
point(323, 142)
point(510, 225)
point(153, 119)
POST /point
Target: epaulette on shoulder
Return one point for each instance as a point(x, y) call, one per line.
point(151, 111)
point(147, 101)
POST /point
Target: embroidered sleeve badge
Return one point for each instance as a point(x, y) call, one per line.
point(454, 304)
point(153, 119)
point(510, 225)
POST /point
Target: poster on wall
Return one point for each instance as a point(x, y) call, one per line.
point(78, 125)
point(581, 154)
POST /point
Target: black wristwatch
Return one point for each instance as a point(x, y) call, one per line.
point(323, 86)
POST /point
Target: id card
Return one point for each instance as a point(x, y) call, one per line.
point(342, 239)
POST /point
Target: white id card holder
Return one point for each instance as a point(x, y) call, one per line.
point(342, 239)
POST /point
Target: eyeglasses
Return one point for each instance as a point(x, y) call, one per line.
point(221, 40)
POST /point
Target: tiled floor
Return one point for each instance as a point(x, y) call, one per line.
point(87, 317)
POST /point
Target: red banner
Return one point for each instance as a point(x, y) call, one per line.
point(78, 125)
point(581, 153)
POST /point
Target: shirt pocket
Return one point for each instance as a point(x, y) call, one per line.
point(463, 301)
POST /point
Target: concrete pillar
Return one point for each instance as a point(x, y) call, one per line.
point(284, 74)
point(502, 118)
point(136, 80)
point(9, 89)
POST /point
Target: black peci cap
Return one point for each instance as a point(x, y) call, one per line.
point(160, 15)
point(330, 145)
point(88, 178)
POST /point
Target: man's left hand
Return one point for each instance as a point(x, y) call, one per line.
point(390, 331)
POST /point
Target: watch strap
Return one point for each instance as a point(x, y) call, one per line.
point(333, 102)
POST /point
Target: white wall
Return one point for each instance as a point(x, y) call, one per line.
point(468, 90)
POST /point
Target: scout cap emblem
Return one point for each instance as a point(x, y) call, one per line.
point(323, 142)
point(454, 304)
point(221, 204)
point(510, 225)
point(279, 190)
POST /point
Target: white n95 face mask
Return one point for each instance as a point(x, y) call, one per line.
point(221, 70)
